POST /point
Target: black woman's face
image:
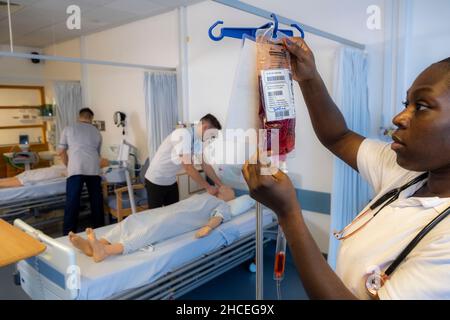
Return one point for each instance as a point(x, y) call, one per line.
point(422, 140)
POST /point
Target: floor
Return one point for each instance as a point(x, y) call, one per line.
point(239, 283)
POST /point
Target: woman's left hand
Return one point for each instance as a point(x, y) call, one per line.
point(275, 191)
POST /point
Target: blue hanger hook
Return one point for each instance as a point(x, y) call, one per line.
point(210, 31)
point(296, 26)
point(275, 25)
point(239, 33)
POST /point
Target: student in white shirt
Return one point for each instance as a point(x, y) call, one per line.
point(421, 148)
point(177, 152)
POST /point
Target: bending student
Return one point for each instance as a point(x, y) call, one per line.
point(80, 150)
point(161, 176)
point(418, 161)
point(145, 228)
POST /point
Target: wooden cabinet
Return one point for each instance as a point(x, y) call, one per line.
point(18, 99)
point(7, 170)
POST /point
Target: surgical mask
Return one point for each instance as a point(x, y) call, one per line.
point(198, 131)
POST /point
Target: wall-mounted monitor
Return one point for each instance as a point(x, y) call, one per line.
point(24, 139)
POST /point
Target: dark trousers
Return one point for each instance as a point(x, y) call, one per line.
point(158, 196)
point(74, 186)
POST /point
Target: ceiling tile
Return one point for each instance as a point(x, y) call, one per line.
point(28, 20)
point(24, 2)
point(138, 7)
point(4, 32)
point(107, 15)
point(31, 15)
point(42, 22)
point(59, 7)
point(175, 3)
point(3, 15)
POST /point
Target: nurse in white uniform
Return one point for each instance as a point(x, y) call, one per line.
point(399, 245)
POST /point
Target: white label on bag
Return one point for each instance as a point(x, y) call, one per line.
point(278, 94)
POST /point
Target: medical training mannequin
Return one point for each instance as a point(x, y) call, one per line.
point(33, 176)
point(146, 228)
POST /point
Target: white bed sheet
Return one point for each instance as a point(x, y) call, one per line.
point(38, 190)
point(119, 273)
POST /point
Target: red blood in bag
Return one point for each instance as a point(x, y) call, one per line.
point(280, 260)
point(286, 127)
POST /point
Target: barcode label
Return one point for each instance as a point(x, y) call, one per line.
point(278, 94)
point(275, 93)
point(282, 114)
point(276, 78)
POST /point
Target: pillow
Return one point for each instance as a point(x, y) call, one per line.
point(241, 204)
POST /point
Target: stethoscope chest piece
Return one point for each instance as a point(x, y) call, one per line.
point(374, 281)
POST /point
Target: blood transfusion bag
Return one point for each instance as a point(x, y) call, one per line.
point(276, 108)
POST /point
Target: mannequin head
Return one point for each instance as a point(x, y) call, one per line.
point(226, 193)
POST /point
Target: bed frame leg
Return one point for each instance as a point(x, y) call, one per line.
point(16, 277)
point(35, 212)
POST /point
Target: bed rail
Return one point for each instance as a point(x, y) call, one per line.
point(171, 286)
point(57, 264)
point(24, 208)
point(188, 277)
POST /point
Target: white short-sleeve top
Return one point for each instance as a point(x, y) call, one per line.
point(425, 273)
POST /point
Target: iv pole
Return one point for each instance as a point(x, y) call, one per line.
point(124, 153)
point(259, 252)
point(238, 33)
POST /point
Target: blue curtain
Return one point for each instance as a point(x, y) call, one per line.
point(350, 192)
point(161, 107)
point(68, 100)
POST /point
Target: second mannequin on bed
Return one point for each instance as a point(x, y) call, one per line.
point(146, 228)
point(34, 176)
point(39, 175)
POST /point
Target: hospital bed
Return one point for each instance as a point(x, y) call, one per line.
point(30, 200)
point(167, 270)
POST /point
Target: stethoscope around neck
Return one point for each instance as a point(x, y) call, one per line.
point(376, 279)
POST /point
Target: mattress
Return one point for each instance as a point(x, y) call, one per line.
point(119, 273)
point(38, 190)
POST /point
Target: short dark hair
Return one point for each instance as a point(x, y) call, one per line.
point(212, 121)
point(445, 61)
point(86, 112)
point(445, 64)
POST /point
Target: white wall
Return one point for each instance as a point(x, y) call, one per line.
point(429, 40)
point(61, 71)
point(151, 41)
point(24, 72)
point(420, 34)
point(212, 68)
point(20, 71)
